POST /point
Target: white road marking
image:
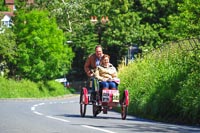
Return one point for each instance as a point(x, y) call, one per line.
point(33, 108)
point(37, 113)
point(41, 104)
point(107, 131)
point(55, 118)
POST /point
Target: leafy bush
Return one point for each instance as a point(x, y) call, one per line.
point(56, 89)
point(188, 98)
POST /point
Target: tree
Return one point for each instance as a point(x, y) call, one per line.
point(42, 53)
point(7, 45)
point(122, 30)
point(2, 6)
point(186, 22)
point(71, 16)
point(7, 49)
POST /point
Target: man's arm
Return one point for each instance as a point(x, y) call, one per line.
point(88, 65)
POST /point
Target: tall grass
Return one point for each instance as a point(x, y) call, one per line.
point(164, 85)
point(10, 88)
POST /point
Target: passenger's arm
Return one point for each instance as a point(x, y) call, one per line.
point(98, 76)
point(113, 72)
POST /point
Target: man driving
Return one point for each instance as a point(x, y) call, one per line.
point(93, 61)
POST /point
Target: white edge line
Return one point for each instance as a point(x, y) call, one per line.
point(32, 108)
point(107, 131)
point(41, 104)
point(57, 119)
point(37, 113)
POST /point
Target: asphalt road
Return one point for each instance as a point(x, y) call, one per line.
point(62, 115)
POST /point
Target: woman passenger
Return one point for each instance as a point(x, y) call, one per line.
point(106, 73)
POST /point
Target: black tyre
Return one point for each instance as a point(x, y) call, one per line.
point(96, 109)
point(124, 111)
point(124, 107)
point(82, 104)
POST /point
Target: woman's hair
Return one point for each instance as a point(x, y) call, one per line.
point(103, 57)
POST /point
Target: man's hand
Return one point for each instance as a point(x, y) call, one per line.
point(90, 74)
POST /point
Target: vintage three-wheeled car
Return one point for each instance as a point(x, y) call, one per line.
point(109, 99)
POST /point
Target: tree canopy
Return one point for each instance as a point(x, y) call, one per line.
point(2, 6)
point(186, 23)
point(41, 49)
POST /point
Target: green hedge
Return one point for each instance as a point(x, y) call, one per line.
point(164, 85)
point(26, 89)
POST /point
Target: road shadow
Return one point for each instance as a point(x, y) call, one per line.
point(105, 116)
point(88, 116)
point(135, 124)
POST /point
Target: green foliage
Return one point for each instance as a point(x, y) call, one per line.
point(2, 6)
point(73, 17)
point(188, 98)
point(7, 45)
point(186, 22)
point(41, 53)
point(12, 89)
point(54, 88)
point(28, 89)
point(165, 84)
point(7, 49)
point(147, 23)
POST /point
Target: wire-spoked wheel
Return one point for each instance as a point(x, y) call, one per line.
point(124, 104)
point(83, 101)
point(96, 109)
point(124, 111)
